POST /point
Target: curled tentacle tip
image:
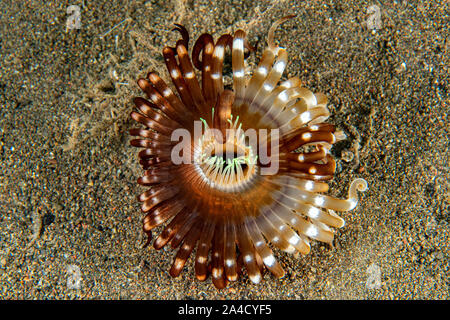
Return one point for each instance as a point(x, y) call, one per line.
point(360, 184)
point(149, 239)
point(340, 135)
point(288, 17)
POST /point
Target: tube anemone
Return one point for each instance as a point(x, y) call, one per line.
point(252, 174)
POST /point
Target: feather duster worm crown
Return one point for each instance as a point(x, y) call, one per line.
point(220, 204)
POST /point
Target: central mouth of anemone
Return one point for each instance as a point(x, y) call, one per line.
point(226, 163)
